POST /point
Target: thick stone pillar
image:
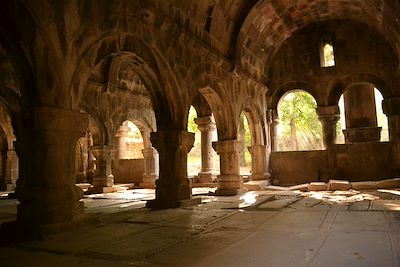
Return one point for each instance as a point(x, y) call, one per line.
point(103, 176)
point(150, 156)
point(46, 139)
point(206, 127)
point(360, 111)
point(328, 116)
point(11, 169)
point(121, 135)
point(273, 128)
point(259, 169)
point(229, 181)
point(173, 188)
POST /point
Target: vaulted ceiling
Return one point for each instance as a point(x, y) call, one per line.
point(251, 32)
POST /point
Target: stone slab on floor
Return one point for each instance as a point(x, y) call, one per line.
point(245, 220)
point(141, 245)
point(197, 219)
point(306, 203)
point(386, 205)
point(279, 203)
point(353, 221)
point(249, 200)
point(360, 205)
point(355, 249)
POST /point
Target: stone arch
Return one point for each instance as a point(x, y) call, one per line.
point(209, 81)
point(253, 114)
point(277, 95)
point(162, 88)
point(144, 123)
point(338, 88)
point(6, 126)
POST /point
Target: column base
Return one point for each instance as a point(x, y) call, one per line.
point(149, 181)
point(11, 187)
point(229, 192)
point(229, 185)
point(260, 176)
point(362, 134)
point(207, 178)
point(99, 182)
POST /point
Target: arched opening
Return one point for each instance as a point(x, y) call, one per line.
point(327, 56)
point(299, 128)
point(129, 141)
point(194, 156)
point(202, 163)
point(245, 141)
point(361, 115)
point(3, 159)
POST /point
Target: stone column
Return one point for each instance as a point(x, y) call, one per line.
point(273, 128)
point(121, 135)
point(46, 139)
point(391, 107)
point(328, 116)
point(206, 127)
point(360, 111)
point(229, 180)
point(150, 156)
point(91, 158)
point(103, 176)
point(173, 188)
point(11, 169)
point(258, 162)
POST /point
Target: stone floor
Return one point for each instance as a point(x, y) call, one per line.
point(258, 228)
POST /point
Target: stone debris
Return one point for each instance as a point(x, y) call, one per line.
point(338, 185)
point(317, 186)
point(368, 185)
point(256, 185)
point(389, 183)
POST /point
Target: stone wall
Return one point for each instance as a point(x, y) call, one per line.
point(364, 161)
point(129, 171)
point(354, 162)
point(296, 167)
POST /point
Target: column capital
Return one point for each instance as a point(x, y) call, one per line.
point(225, 146)
point(122, 131)
point(272, 115)
point(328, 112)
point(56, 119)
point(205, 123)
point(183, 139)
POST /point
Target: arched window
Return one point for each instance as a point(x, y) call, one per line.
point(379, 117)
point(299, 127)
point(327, 55)
point(130, 144)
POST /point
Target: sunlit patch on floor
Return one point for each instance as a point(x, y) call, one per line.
point(340, 196)
point(248, 199)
